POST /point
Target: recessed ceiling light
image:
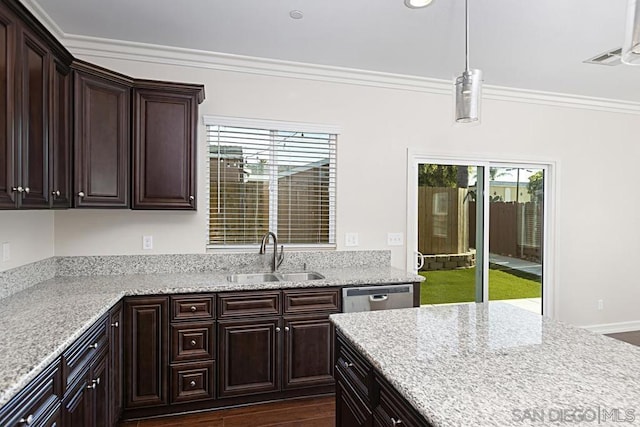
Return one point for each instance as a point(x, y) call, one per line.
point(417, 4)
point(296, 14)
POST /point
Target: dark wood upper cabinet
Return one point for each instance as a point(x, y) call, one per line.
point(60, 135)
point(164, 145)
point(7, 100)
point(101, 137)
point(33, 77)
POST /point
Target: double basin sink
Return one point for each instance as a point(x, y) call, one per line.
point(274, 277)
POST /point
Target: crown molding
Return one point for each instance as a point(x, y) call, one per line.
point(84, 46)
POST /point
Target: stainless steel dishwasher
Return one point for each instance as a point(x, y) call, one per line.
point(371, 298)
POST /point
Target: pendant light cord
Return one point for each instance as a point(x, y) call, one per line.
point(466, 34)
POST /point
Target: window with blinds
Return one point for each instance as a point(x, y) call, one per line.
point(271, 180)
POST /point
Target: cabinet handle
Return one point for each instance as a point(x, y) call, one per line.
point(192, 383)
point(115, 324)
point(56, 193)
point(192, 198)
point(193, 309)
point(193, 342)
point(94, 345)
point(81, 194)
point(26, 421)
point(395, 422)
point(19, 189)
point(277, 328)
point(286, 329)
point(27, 190)
point(348, 365)
point(93, 384)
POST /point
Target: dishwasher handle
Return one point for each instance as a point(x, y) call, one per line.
point(378, 298)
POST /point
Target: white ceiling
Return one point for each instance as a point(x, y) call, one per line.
point(537, 45)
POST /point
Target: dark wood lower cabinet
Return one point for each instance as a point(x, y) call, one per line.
point(248, 356)
point(146, 351)
point(350, 410)
point(308, 351)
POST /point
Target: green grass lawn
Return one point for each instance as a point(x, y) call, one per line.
point(446, 286)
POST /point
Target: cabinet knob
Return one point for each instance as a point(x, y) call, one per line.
point(192, 198)
point(192, 384)
point(193, 343)
point(94, 345)
point(395, 422)
point(115, 324)
point(277, 328)
point(19, 189)
point(348, 365)
point(56, 193)
point(27, 190)
point(286, 329)
point(94, 384)
point(81, 194)
point(26, 421)
point(193, 308)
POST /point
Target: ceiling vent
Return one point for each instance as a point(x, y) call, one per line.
point(611, 57)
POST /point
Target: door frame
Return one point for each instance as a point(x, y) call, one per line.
point(550, 167)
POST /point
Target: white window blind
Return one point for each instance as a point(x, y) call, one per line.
point(271, 180)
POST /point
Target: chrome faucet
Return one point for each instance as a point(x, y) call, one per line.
point(277, 259)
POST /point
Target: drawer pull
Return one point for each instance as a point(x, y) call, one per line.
point(348, 365)
point(286, 329)
point(193, 343)
point(277, 328)
point(115, 324)
point(192, 384)
point(26, 421)
point(395, 422)
point(94, 384)
point(93, 346)
point(193, 309)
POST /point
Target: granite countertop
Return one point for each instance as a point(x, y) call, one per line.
point(40, 322)
point(494, 364)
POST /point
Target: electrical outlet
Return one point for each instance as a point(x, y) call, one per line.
point(6, 251)
point(147, 242)
point(395, 239)
point(351, 239)
point(600, 304)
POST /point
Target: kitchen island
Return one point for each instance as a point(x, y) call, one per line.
point(486, 364)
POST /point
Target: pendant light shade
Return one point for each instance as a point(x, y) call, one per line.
point(468, 93)
point(468, 86)
point(631, 47)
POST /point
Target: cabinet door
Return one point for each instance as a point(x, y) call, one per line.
point(99, 389)
point(164, 163)
point(350, 410)
point(101, 141)
point(115, 358)
point(8, 153)
point(33, 99)
point(308, 351)
point(145, 351)
point(248, 356)
point(77, 406)
point(60, 136)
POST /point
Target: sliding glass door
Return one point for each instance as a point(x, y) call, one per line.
point(479, 231)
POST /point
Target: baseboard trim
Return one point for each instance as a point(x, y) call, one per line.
point(614, 328)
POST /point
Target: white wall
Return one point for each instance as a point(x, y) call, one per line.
point(29, 234)
point(596, 151)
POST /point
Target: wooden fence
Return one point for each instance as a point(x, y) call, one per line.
point(442, 220)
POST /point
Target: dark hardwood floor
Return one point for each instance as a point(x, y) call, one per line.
point(630, 337)
point(314, 412)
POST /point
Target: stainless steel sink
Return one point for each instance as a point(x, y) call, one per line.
point(301, 276)
point(253, 277)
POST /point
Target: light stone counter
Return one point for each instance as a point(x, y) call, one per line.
point(497, 365)
point(38, 323)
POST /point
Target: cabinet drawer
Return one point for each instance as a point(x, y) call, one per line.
point(356, 371)
point(38, 401)
point(201, 307)
point(77, 358)
point(192, 381)
point(248, 303)
point(311, 300)
point(192, 341)
point(393, 410)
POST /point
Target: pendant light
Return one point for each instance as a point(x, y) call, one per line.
point(631, 47)
point(468, 86)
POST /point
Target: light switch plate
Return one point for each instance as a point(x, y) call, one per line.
point(395, 239)
point(351, 239)
point(147, 242)
point(6, 251)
